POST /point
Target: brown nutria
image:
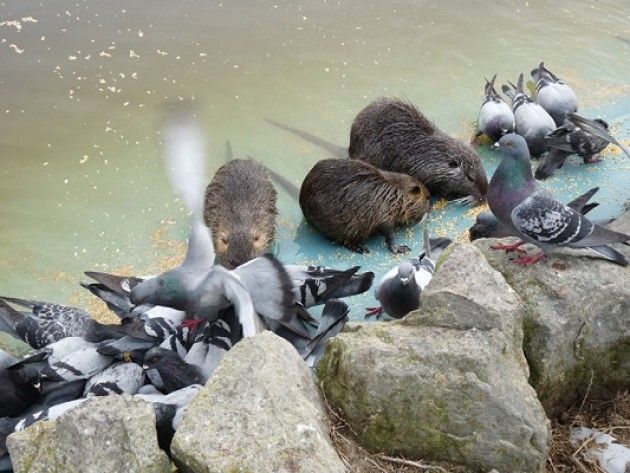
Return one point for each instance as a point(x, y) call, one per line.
point(349, 201)
point(240, 209)
point(394, 135)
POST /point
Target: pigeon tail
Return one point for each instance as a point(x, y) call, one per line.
point(600, 236)
point(610, 254)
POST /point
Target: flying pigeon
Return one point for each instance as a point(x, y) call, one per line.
point(532, 121)
point(517, 201)
point(488, 226)
point(399, 290)
point(495, 116)
point(556, 97)
point(575, 137)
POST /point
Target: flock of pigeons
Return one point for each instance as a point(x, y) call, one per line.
point(157, 352)
point(549, 124)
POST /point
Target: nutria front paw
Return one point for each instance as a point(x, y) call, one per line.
point(357, 248)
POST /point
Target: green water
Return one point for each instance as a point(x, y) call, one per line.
point(83, 83)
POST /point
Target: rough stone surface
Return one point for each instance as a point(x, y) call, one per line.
point(447, 382)
point(112, 433)
point(260, 412)
point(577, 321)
point(13, 346)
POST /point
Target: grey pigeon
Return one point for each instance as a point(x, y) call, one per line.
point(118, 378)
point(399, 289)
point(333, 319)
point(532, 121)
point(556, 97)
point(495, 116)
point(576, 137)
point(488, 226)
point(168, 372)
point(516, 199)
point(47, 323)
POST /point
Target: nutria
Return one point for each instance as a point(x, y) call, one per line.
point(350, 200)
point(240, 209)
point(395, 136)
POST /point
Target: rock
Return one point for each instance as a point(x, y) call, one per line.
point(260, 412)
point(448, 381)
point(577, 323)
point(109, 433)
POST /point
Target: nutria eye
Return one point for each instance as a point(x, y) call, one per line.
point(256, 238)
point(453, 164)
point(224, 240)
point(416, 190)
point(469, 178)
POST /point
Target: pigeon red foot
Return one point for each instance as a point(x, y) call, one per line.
point(509, 247)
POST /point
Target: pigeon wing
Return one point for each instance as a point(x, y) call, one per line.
point(549, 222)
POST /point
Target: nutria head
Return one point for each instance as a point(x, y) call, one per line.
point(414, 198)
point(240, 209)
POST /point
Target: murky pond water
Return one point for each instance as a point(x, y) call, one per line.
point(83, 83)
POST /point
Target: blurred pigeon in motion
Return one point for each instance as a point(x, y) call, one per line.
point(556, 97)
point(168, 372)
point(488, 226)
point(532, 121)
point(495, 116)
point(334, 317)
point(119, 378)
point(517, 201)
point(399, 290)
point(576, 137)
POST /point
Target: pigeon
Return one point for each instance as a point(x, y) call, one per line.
point(517, 201)
point(399, 289)
point(532, 121)
point(334, 317)
point(169, 411)
point(488, 226)
point(556, 97)
point(572, 138)
point(47, 323)
point(495, 116)
point(118, 378)
point(168, 372)
point(315, 285)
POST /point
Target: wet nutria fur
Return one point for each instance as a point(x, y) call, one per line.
point(240, 209)
point(394, 135)
point(349, 201)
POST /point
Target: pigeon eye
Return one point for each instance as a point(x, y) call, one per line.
point(453, 164)
point(508, 144)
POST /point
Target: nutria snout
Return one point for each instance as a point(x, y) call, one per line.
point(350, 200)
point(240, 209)
point(395, 136)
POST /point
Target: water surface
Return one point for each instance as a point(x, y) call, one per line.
point(83, 85)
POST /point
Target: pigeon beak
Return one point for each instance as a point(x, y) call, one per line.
point(145, 367)
point(496, 145)
point(405, 281)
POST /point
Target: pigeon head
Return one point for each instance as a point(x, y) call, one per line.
point(486, 226)
point(514, 147)
point(406, 272)
point(166, 290)
point(159, 363)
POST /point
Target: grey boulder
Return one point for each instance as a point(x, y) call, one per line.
point(104, 434)
point(260, 412)
point(577, 322)
point(447, 382)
